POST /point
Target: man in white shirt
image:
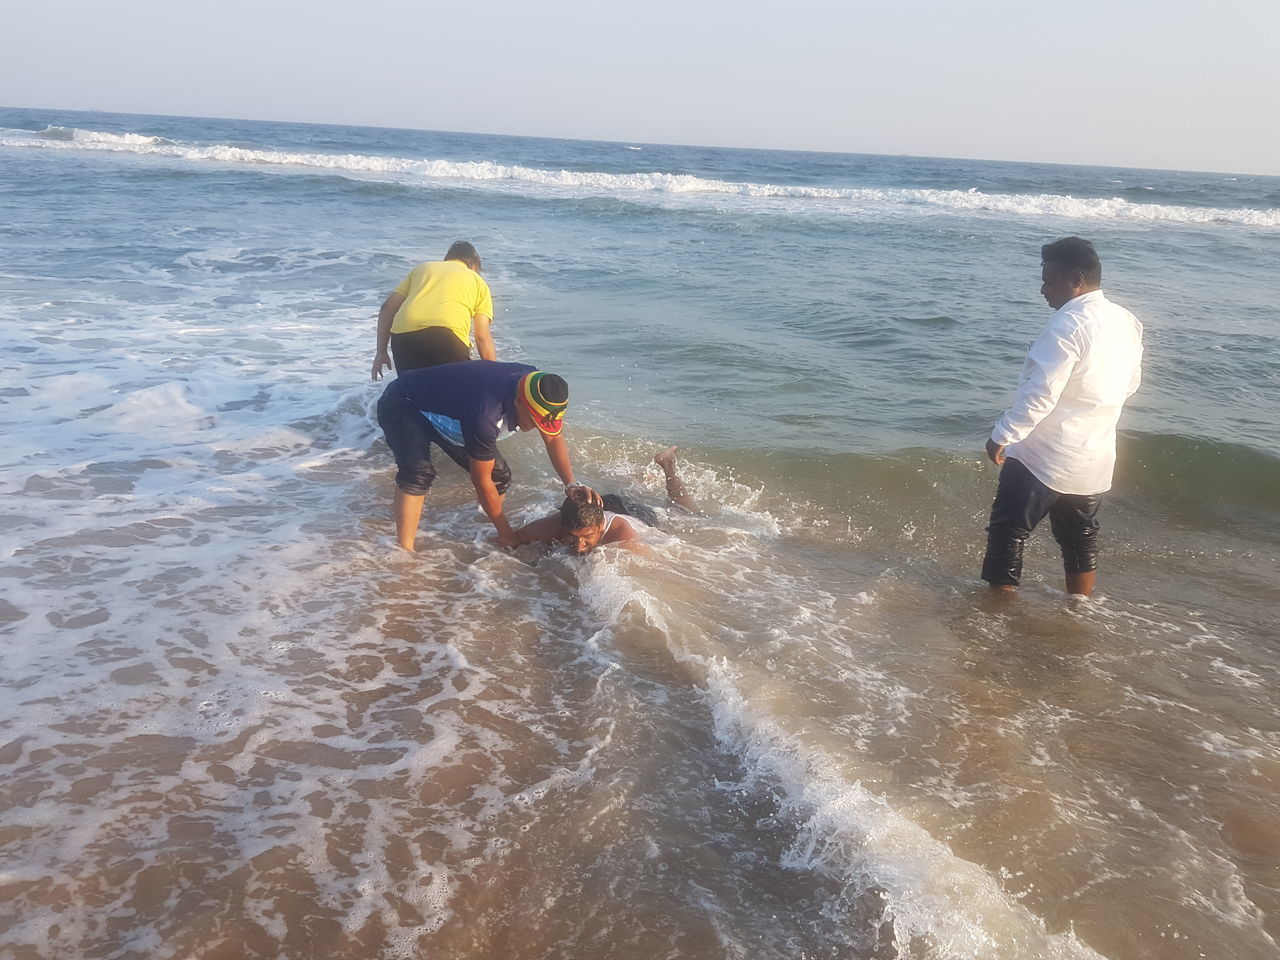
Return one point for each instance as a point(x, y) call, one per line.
point(1056, 445)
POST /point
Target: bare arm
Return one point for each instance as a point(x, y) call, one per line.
point(558, 454)
point(484, 338)
point(544, 530)
point(490, 501)
point(386, 316)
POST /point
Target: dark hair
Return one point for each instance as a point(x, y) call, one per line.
point(553, 388)
point(1072, 254)
point(464, 251)
point(577, 511)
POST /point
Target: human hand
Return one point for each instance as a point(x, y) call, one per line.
point(580, 491)
point(380, 361)
point(995, 451)
point(508, 538)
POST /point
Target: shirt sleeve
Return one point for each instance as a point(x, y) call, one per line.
point(485, 304)
point(1136, 380)
point(1049, 364)
point(403, 289)
point(480, 438)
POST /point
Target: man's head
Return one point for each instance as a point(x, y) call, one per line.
point(541, 401)
point(1069, 268)
point(581, 522)
point(466, 253)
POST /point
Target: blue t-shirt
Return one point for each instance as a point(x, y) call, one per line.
point(479, 394)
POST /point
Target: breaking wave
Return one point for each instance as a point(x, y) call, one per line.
point(483, 174)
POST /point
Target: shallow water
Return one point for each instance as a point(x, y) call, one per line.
point(235, 721)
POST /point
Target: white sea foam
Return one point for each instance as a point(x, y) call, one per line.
point(192, 540)
point(930, 894)
point(766, 197)
point(940, 904)
point(77, 135)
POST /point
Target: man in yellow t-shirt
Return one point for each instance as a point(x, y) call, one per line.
point(428, 319)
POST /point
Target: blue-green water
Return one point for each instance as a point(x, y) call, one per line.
point(236, 719)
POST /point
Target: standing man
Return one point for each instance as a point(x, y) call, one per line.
point(1056, 446)
point(463, 408)
point(428, 319)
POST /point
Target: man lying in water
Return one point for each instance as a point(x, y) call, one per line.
point(582, 525)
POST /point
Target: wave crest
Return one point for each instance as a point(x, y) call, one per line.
point(76, 135)
point(831, 200)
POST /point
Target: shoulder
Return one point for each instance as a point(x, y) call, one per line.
point(1116, 311)
point(413, 274)
point(543, 530)
point(619, 529)
point(1100, 316)
point(1071, 319)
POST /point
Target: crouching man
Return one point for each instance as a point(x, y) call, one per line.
point(463, 408)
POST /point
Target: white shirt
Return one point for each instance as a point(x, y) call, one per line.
point(1078, 374)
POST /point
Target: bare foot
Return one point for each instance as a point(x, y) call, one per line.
point(666, 459)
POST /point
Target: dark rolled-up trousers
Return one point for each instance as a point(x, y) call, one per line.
point(1021, 502)
point(410, 435)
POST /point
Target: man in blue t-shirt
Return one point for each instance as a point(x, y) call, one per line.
point(463, 408)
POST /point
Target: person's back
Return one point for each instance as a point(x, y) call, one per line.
point(429, 318)
point(479, 394)
point(1073, 447)
point(442, 293)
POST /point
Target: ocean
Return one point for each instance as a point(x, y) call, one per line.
point(237, 722)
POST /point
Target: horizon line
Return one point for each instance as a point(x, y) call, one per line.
point(648, 143)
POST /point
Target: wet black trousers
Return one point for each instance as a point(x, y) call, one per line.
point(1021, 502)
point(427, 348)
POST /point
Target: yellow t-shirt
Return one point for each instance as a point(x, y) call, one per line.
point(442, 293)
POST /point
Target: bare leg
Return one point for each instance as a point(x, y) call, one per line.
point(676, 492)
point(408, 513)
point(1081, 584)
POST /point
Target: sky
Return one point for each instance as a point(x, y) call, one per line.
point(1168, 84)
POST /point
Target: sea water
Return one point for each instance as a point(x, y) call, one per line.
point(235, 721)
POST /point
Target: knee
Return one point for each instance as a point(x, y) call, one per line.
point(415, 480)
point(1079, 550)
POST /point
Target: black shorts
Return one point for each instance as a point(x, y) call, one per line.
point(1022, 501)
point(428, 347)
point(629, 508)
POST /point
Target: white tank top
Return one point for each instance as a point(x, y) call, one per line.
point(638, 527)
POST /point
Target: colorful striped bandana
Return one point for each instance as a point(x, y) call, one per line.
point(547, 414)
